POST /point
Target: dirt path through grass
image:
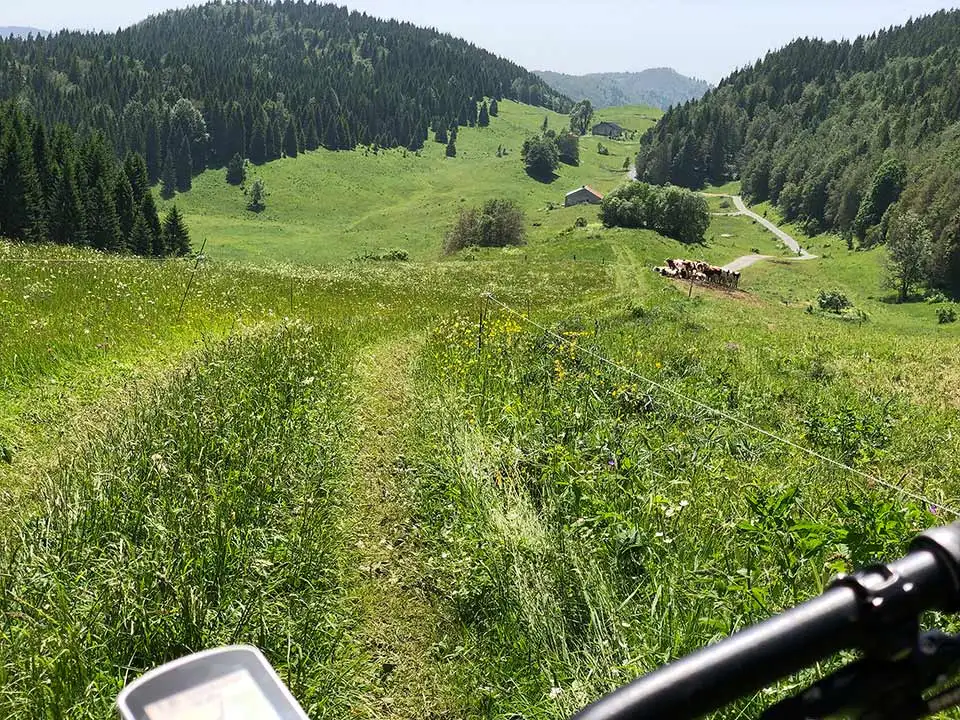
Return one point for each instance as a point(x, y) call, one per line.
point(397, 624)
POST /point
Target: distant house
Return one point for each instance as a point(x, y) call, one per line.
point(584, 195)
point(608, 129)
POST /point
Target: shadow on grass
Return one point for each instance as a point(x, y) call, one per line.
point(546, 179)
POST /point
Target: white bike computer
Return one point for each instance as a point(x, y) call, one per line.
point(228, 683)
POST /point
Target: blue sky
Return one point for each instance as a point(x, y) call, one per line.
point(697, 37)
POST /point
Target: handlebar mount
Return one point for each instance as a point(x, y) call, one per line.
point(901, 674)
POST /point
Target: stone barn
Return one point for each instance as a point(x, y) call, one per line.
point(608, 129)
point(584, 195)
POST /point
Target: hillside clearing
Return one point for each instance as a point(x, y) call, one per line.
point(325, 207)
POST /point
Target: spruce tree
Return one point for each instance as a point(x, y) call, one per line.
point(258, 142)
point(236, 170)
point(135, 169)
point(484, 119)
point(127, 207)
point(148, 211)
point(312, 137)
point(258, 196)
point(451, 148)
point(168, 179)
point(184, 166)
point(175, 235)
point(102, 229)
point(331, 138)
point(21, 197)
point(290, 140)
point(43, 160)
point(141, 240)
point(494, 108)
point(441, 135)
point(154, 156)
point(273, 140)
point(66, 219)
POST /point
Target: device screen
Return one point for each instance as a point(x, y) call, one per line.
point(230, 697)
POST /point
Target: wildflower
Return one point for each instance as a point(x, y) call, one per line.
point(555, 692)
point(934, 510)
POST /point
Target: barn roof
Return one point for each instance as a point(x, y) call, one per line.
point(588, 189)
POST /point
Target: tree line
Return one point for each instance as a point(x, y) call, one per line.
point(194, 88)
point(57, 187)
point(840, 136)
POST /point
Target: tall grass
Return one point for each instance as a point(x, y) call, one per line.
point(206, 515)
point(585, 528)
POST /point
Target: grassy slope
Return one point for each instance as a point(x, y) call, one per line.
point(542, 510)
point(327, 207)
point(631, 117)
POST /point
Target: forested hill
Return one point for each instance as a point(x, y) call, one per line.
point(834, 133)
point(18, 31)
point(258, 79)
point(656, 87)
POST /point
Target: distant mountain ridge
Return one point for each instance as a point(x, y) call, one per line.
point(657, 87)
point(18, 31)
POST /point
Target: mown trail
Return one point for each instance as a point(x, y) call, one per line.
point(629, 271)
point(397, 625)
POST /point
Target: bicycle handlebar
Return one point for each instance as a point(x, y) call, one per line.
point(856, 612)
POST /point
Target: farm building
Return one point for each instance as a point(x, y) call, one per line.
point(608, 129)
point(584, 195)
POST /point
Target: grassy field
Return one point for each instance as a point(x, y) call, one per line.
point(328, 207)
point(420, 502)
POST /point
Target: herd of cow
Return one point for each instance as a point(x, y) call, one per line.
point(701, 272)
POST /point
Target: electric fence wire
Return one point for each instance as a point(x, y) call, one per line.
point(938, 506)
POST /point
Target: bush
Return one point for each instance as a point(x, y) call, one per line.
point(833, 301)
point(497, 223)
point(946, 315)
point(671, 211)
point(602, 149)
point(581, 222)
point(540, 157)
point(568, 148)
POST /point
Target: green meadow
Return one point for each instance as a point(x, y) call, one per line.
point(329, 207)
point(415, 484)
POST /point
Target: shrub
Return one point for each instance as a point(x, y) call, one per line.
point(392, 255)
point(602, 149)
point(540, 157)
point(580, 222)
point(568, 148)
point(946, 315)
point(833, 301)
point(497, 223)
